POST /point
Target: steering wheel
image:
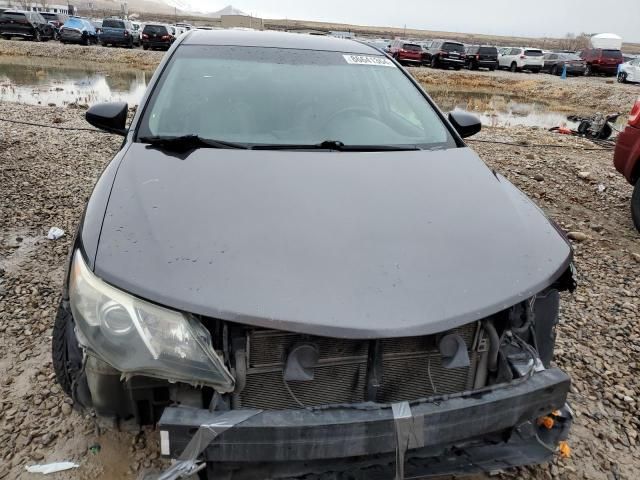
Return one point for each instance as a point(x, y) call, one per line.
point(349, 112)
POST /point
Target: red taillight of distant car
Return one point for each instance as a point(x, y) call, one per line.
point(634, 116)
point(165, 37)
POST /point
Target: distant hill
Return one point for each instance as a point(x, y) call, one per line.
point(165, 7)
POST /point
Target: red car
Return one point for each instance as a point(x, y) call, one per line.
point(627, 159)
point(406, 53)
point(600, 60)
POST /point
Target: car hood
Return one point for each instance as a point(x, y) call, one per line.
point(354, 245)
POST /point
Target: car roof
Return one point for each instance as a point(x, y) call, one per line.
point(270, 39)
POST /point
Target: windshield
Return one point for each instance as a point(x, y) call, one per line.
point(155, 29)
point(75, 23)
point(533, 53)
point(452, 47)
point(412, 47)
point(289, 97)
point(108, 23)
point(488, 50)
point(612, 53)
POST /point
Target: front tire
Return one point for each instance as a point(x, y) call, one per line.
point(622, 77)
point(588, 71)
point(514, 67)
point(62, 342)
point(37, 37)
point(635, 205)
point(434, 62)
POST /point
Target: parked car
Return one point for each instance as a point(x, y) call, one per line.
point(630, 71)
point(554, 64)
point(30, 25)
point(98, 25)
point(236, 265)
point(627, 159)
point(156, 36)
point(117, 32)
point(445, 54)
point(78, 30)
point(406, 53)
point(601, 61)
point(481, 56)
point(56, 20)
point(519, 59)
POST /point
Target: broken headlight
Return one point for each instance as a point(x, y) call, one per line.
point(138, 337)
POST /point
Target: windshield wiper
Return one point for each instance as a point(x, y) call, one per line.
point(335, 145)
point(185, 143)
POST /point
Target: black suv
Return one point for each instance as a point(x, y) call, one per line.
point(156, 36)
point(481, 56)
point(445, 54)
point(17, 23)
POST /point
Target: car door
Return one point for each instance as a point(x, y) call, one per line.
point(16, 23)
point(503, 57)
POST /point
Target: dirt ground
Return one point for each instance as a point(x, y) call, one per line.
point(47, 175)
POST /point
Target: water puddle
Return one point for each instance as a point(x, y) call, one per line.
point(53, 82)
point(502, 110)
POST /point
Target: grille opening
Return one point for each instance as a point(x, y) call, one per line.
point(412, 369)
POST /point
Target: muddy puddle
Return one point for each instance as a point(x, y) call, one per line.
point(60, 83)
point(498, 110)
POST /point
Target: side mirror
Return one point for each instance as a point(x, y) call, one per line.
point(111, 117)
point(465, 123)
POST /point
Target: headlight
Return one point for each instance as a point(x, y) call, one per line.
point(139, 337)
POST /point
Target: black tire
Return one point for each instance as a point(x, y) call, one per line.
point(434, 62)
point(514, 67)
point(588, 71)
point(37, 37)
point(622, 77)
point(7, 37)
point(554, 70)
point(63, 334)
point(492, 69)
point(86, 41)
point(635, 205)
point(145, 47)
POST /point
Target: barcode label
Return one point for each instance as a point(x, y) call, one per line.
point(368, 60)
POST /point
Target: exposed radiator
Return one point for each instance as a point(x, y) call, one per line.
point(411, 369)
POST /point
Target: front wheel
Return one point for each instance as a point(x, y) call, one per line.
point(434, 62)
point(514, 67)
point(37, 37)
point(145, 47)
point(622, 77)
point(635, 205)
point(588, 71)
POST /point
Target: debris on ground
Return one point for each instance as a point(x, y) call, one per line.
point(51, 467)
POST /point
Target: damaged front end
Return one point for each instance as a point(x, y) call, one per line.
point(463, 400)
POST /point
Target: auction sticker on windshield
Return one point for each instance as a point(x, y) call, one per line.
point(368, 60)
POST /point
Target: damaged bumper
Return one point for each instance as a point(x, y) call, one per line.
point(481, 431)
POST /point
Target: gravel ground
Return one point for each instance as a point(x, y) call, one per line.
point(94, 53)
point(47, 175)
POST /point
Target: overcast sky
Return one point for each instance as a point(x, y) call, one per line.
point(498, 17)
